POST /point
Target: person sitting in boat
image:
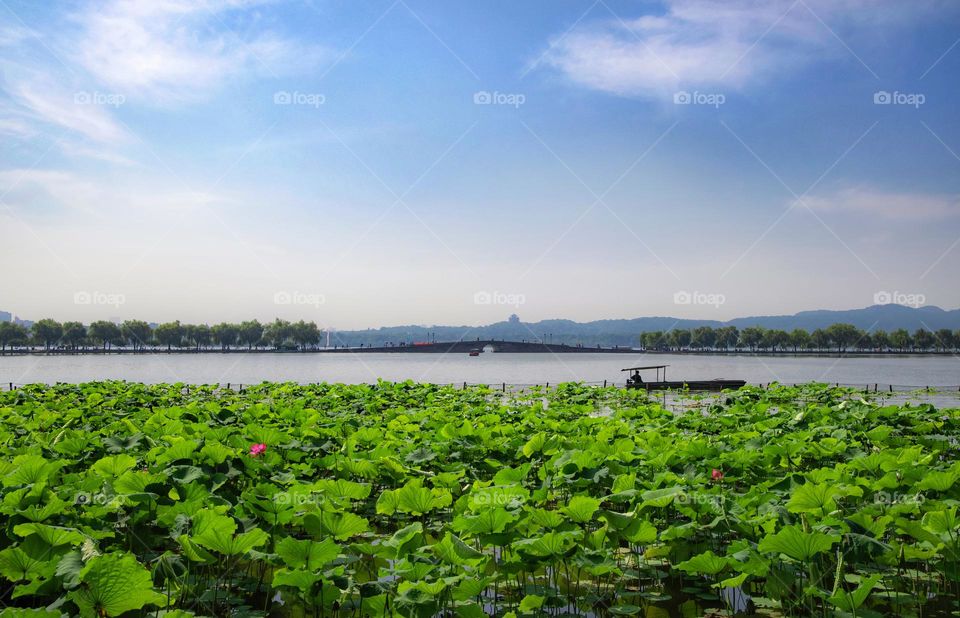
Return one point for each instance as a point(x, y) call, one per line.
point(635, 378)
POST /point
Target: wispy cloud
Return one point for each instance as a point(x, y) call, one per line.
point(46, 101)
point(700, 43)
point(898, 206)
point(73, 78)
point(170, 52)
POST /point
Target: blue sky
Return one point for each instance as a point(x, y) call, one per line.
point(376, 163)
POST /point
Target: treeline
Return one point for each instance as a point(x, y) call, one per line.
point(138, 335)
point(837, 338)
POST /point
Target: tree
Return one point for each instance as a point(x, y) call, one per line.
point(799, 338)
point(104, 333)
point(136, 333)
point(12, 334)
point(47, 332)
point(881, 340)
point(727, 337)
point(74, 334)
point(653, 340)
point(923, 339)
point(843, 335)
point(305, 333)
point(251, 332)
point(751, 336)
point(900, 339)
point(199, 335)
point(169, 334)
point(820, 339)
point(680, 338)
point(278, 332)
point(225, 335)
point(703, 337)
point(775, 339)
point(944, 338)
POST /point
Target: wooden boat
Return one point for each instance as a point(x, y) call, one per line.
point(662, 384)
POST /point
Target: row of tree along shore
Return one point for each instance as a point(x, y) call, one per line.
point(50, 336)
point(834, 338)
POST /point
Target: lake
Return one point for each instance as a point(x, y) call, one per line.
point(489, 368)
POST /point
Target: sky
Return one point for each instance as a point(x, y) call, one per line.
point(451, 162)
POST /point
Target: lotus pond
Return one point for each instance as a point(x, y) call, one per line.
point(418, 500)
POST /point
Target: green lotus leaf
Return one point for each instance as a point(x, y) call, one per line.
point(813, 498)
point(113, 584)
point(453, 550)
point(114, 465)
point(51, 535)
point(939, 480)
point(531, 602)
point(706, 563)
point(550, 544)
point(29, 470)
point(580, 509)
point(341, 526)
point(295, 578)
point(307, 554)
point(792, 541)
point(851, 601)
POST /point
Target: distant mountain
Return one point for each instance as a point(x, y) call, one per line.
point(877, 317)
point(625, 332)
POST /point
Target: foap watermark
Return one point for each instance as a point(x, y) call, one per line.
point(479, 501)
point(712, 99)
point(698, 298)
point(310, 99)
point(912, 99)
point(299, 298)
point(114, 99)
point(701, 499)
point(891, 498)
point(86, 498)
point(498, 298)
point(512, 99)
point(98, 298)
point(899, 298)
point(299, 499)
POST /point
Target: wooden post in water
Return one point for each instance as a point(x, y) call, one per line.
point(503, 387)
point(891, 388)
point(605, 382)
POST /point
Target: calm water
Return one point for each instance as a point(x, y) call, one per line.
point(488, 368)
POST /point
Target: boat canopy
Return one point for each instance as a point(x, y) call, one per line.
point(642, 368)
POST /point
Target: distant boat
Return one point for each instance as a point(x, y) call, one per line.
point(717, 384)
point(474, 352)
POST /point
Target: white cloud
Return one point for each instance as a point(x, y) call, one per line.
point(709, 43)
point(169, 52)
point(130, 202)
point(49, 102)
point(899, 206)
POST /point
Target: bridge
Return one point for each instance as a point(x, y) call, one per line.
point(487, 345)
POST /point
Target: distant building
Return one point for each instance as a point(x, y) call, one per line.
point(5, 316)
point(514, 318)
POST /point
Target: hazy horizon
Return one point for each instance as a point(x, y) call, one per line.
point(407, 162)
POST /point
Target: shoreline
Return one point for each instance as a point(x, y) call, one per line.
point(447, 349)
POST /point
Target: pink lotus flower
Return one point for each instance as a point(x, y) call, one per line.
point(716, 475)
point(257, 449)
